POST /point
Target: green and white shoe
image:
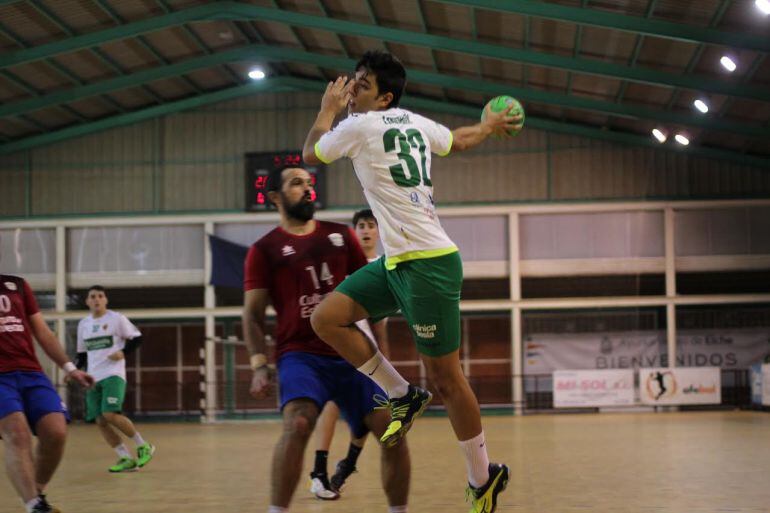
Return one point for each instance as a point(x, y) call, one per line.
point(124, 465)
point(144, 454)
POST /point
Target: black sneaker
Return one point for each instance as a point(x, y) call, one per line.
point(341, 473)
point(403, 412)
point(44, 507)
point(484, 499)
point(320, 487)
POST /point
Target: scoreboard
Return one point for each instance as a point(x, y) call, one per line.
point(258, 167)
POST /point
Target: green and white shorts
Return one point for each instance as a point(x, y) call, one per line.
point(106, 396)
point(427, 291)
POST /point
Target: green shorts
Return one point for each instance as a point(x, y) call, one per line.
point(427, 291)
point(106, 396)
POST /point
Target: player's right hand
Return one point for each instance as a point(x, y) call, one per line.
point(260, 383)
point(82, 378)
point(337, 95)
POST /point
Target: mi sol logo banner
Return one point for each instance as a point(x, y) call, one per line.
point(96, 343)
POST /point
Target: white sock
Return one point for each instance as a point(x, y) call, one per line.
point(379, 370)
point(276, 509)
point(397, 509)
point(122, 451)
point(138, 440)
point(476, 460)
point(31, 504)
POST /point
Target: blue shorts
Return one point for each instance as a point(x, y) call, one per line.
point(328, 378)
point(31, 393)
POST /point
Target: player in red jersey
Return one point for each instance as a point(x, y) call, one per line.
point(28, 402)
point(295, 266)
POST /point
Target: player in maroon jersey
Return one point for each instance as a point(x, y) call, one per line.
point(295, 266)
point(28, 402)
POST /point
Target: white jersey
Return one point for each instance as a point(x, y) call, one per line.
point(391, 153)
point(100, 338)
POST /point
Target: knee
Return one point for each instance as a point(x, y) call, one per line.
point(100, 420)
point(320, 320)
point(300, 426)
point(18, 436)
point(445, 384)
point(106, 418)
point(53, 435)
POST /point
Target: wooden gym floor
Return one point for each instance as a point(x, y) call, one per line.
point(628, 462)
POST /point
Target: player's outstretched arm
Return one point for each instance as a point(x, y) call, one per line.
point(253, 320)
point(499, 123)
point(334, 101)
point(51, 346)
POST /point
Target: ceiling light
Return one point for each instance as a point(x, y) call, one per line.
point(763, 5)
point(701, 106)
point(684, 141)
point(660, 136)
point(728, 63)
point(256, 74)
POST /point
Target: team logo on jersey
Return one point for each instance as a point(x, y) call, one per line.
point(414, 197)
point(288, 250)
point(105, 326)
point(10, 285)
point(336, 239)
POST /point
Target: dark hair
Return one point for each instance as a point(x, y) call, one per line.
point(275, 179)
point(275, 176)
point(364, 214)
point(391, 75)
point(95, 287)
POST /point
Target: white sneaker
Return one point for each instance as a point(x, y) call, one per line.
point(319, 486)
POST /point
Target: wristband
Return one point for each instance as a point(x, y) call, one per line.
point(257, 361)
point(68, 367)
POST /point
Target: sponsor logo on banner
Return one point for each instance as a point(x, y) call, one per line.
point(766, 384)
point(592, 388)
point(700, 385)
point(733, 349)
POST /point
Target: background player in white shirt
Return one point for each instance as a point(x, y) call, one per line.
point(365, 226)
point(104, 339)
point(391, 150)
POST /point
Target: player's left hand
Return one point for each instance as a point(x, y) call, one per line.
point(82, 378)
point(502, 123)
point(117, 356)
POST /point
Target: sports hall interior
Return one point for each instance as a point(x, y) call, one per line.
point(633, 208)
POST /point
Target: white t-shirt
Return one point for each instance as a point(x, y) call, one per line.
point(391, 154)
point(100, 338)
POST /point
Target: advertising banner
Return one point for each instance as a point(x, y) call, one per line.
point(728, 349)
point(584, 388)
point(700, 385)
